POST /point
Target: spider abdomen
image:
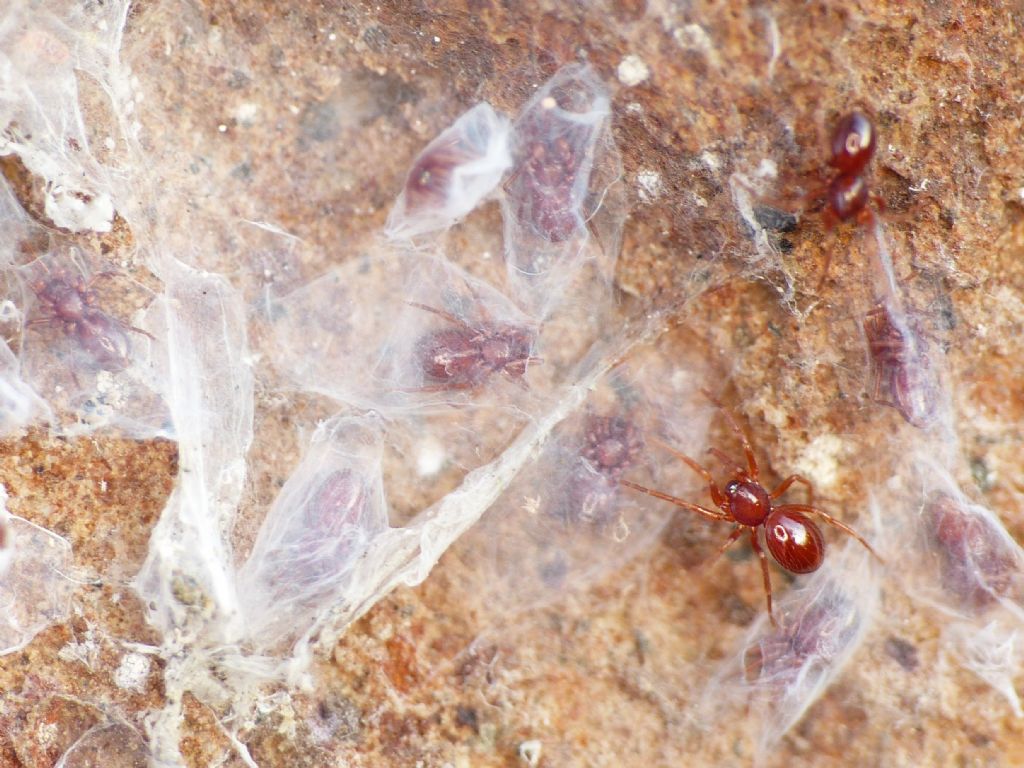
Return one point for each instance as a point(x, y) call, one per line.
point(794, 540)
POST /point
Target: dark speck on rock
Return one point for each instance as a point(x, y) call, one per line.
point(238, 79)
point(467, 716)
point(376, 37)
point(320, 121)
point(737, 612)
point(774, 219)
point(903, 652)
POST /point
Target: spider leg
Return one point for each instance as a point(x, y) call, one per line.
point(736, 533)
point(785, 484)
point(97, 276)
point(727, 460)
point(147, 334)
point(809, 510)
point(41, 320)
point(756, 546)
point(481, 307)
point(867, 217)
point(747, 450)
point(442, 313)
point(703, 511)
point(507, 184)
point(716, 493)
point(452, 387)
point(831, 221)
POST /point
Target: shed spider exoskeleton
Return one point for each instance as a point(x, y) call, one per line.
point(900, 369)
point(72, 306)
point(793, 539)
point(466, 355)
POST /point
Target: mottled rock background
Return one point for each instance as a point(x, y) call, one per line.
point(306, 115)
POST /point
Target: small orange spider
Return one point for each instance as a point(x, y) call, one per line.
point(792, 537)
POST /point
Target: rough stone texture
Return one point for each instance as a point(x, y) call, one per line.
point(307, 115)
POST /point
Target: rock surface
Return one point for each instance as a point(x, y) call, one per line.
point(305, 117)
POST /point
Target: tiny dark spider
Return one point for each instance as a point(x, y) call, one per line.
point(72, 304)
point(465, 356)
point(900, 368)
point(329, 533)
point(545, 199)
point(793, 539)
point(611, 445)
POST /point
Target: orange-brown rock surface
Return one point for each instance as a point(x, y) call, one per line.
point(303, 118)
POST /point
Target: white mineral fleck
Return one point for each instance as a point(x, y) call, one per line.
point(530, 751)
point(767, 169)
point(649, 184)
point(132, 673)
point(430, 457)
point(247, 112)
point(78, 211)
point(821, 460)
point(633, 70)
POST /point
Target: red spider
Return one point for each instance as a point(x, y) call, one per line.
point(793, 539)
point(852, 147)
point(847, 195)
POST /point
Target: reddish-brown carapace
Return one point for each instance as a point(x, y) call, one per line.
point(71, 304)
point(791, 536)
point(466, 355)
point(327, 536)
point(901, 373)
point(337, 504)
